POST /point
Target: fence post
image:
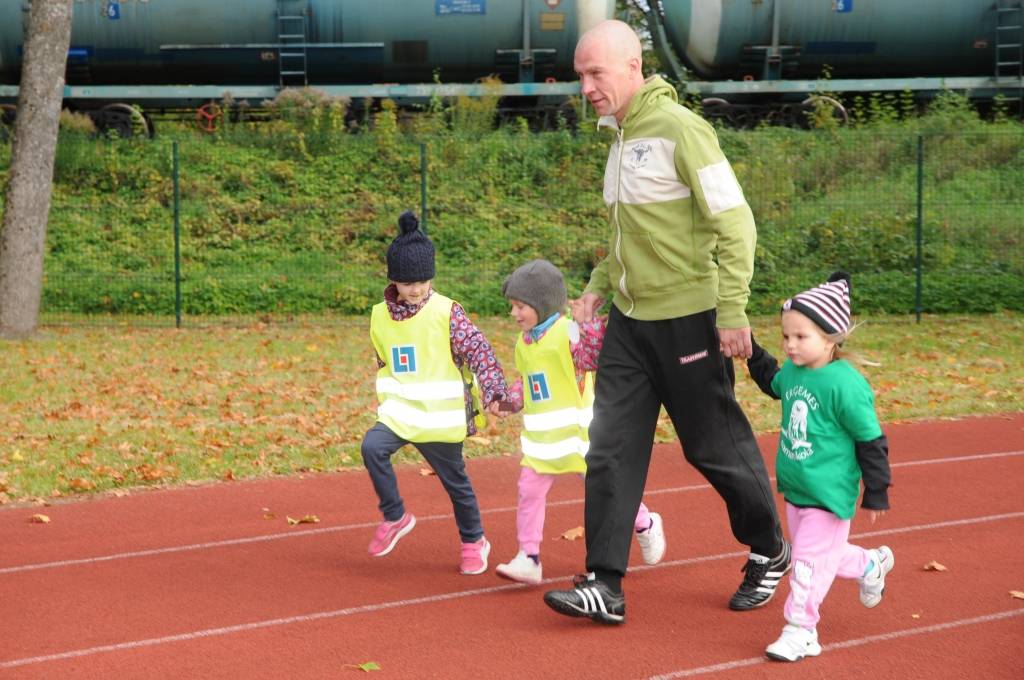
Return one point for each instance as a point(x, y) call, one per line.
point(423, 186)
point(177, 238)
point(920, 224)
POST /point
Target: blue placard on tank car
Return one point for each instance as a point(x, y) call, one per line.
point(843, 5)
point(445, 7)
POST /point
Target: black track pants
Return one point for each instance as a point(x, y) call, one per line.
point(675, 362)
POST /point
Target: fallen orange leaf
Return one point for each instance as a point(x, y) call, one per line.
point(573, 534)
point(308, 519)
point(934, 566)
point(39, 519)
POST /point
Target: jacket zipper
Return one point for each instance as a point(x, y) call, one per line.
point(618, 228)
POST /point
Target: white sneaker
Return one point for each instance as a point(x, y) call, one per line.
point(520, 568)
point(872, 586)
point(794, 644)
point(652, 541)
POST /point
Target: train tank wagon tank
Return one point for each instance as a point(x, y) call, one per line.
point(149, 50)
point(729, 39)
point(743, 48)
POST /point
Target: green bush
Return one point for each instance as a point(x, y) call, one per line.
point(294, 215)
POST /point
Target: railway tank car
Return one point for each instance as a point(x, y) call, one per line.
point(752, 50)
point(160, 51)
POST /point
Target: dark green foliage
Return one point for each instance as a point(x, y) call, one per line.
point(294, 215)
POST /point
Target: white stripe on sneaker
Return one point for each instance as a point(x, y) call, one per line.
point(591, 600)
point(600, 600)
point(587, 596)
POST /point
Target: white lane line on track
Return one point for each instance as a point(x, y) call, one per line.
point(427, 518)
point(958, 459)
point(857, 642)
point(382, 606)
point(276, 537)
point(864, 534)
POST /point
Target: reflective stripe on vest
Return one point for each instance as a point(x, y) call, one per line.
point(555, 451)
point(555, 415)
point(420, 391)
point(423, 420)
point(566, 417)
point(448, 389)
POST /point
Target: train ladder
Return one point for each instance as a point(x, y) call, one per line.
point(292, 38)
point(1009, 73)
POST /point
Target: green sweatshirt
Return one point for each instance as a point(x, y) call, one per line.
point(675, 208)
point(825, 412)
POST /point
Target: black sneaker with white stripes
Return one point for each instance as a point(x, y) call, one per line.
point(761, 579)
point(589, 598)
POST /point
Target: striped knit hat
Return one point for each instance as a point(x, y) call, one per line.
point(828, 305)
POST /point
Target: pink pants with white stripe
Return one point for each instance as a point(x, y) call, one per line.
point(533, 492)
point(820, 554)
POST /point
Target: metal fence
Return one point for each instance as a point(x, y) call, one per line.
point(925, 222)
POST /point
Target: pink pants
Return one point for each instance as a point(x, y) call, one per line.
point(533, 491)
point(820, 553)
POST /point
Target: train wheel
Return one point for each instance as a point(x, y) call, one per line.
point(819, 106)
point(208, 117)
point(566, 117)
point(125, 120)
point(715, 108)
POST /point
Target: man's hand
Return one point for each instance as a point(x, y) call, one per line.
point(735, 342)
point(584, 308)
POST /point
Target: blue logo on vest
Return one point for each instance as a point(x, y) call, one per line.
point(538, 387)
point(403, 359)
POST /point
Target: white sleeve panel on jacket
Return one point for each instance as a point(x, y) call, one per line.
point(721, 190)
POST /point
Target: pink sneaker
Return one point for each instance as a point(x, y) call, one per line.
point(474, 557)
point(388, 533)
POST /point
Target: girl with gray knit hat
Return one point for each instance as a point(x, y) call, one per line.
point(830, 442)
point(557, 358)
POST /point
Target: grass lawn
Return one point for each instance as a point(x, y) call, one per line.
point(94, 409)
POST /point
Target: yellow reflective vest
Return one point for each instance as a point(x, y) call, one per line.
point(420, 390)
point(556, 414)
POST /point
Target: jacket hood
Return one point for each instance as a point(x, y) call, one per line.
point(653, 89)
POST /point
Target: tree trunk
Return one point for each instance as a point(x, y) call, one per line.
point(27, 201)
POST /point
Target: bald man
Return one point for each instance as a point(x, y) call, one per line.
point(678, 270)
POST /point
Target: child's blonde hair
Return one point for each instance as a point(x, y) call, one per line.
point(839, 352)
point(828, 308)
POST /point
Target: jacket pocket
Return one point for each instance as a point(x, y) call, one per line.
point(656, 262)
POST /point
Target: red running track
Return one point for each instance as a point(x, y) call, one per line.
point(196, 583)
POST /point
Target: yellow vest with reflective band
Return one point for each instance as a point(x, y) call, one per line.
point(555, 415)
point(420, 391)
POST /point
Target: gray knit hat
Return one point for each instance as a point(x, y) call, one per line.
point(539, 284)
point(411, 254)
point(827, 305)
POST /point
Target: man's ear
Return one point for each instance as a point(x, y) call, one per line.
point(635, 66)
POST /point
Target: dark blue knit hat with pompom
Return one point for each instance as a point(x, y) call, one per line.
point(411, 254)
